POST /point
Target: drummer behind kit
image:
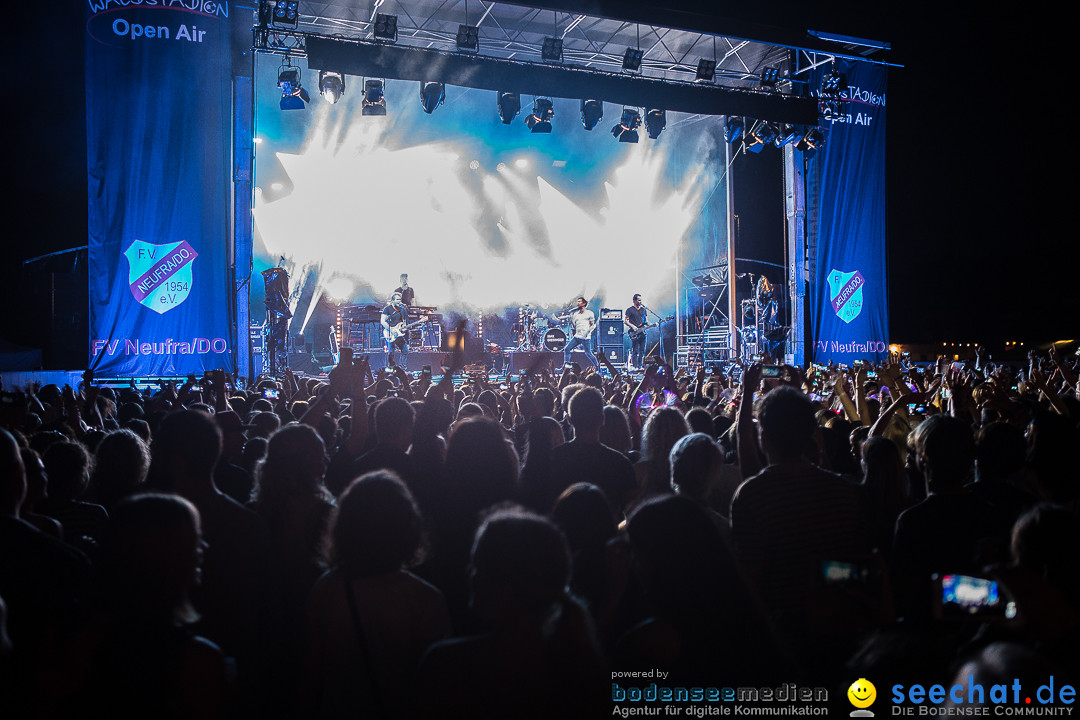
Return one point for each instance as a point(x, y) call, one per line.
point(535, 331)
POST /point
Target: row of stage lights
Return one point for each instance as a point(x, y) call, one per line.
point(759, 135)
point(763, 133)
point(286, 14)
point(432, 95)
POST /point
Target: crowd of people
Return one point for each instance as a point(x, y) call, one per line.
point(388, 546)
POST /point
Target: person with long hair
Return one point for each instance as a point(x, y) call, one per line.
point(369, 618)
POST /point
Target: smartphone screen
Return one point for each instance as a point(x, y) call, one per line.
point(966, 595)
point(837, 572)
point(770, 371)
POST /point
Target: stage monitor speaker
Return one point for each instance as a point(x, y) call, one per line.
point(518, 362)
point(616, 355)
point(414, 363)
point(303, 362)
point(610, 333)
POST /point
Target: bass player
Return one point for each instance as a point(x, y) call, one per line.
point(634, 319)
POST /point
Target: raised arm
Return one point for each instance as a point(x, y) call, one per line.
point(745, 434)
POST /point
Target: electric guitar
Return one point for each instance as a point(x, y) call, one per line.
point(640, 331)
point(392, 333)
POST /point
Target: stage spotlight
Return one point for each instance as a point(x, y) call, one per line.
point(733, 128)
point(769, 77)
point(655, 122)
point(788, 134)
point(540, 119)
point(811, 141)
point(432, 95)
point(632, 59)
point(766, 133)
point(706, 70)
point(551, 50)
point(468, 37)
point(385, 27)
point(833, 84)
point(331, 85)
point(286, 13)
point(592, 112)
point(509, 106)
point(374, 98)
point(833, 88)
point(626, 130)
point(752, 141)
point(293, 94)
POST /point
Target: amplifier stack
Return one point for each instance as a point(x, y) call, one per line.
point(609, 336)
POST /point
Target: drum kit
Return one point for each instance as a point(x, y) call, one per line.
point(535, 331)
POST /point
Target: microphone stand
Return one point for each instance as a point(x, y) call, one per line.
point(659, 326)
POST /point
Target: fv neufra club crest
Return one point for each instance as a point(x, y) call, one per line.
point(160, 275)
point(846, 294)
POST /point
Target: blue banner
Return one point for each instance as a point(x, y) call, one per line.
point(846, 181)
point(158, 114)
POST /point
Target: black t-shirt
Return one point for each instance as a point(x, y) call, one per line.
point(407, 295)
point(608, 469)
point(394, 315)
point(635, 315)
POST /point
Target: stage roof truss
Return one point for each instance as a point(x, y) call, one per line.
point(516, 32)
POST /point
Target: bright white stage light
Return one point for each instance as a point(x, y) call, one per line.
point(365, 205)
point(339, 288)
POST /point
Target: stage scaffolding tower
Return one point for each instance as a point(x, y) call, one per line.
point(704, 327)
point(705, 304)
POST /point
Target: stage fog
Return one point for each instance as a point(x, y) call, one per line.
point(483, 216)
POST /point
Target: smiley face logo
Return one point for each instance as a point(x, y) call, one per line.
point(862, 693)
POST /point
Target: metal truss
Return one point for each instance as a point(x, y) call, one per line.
point(275, 40)
point(516, 32)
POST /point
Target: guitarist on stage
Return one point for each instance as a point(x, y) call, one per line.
point(395, 322)
point(634, 319)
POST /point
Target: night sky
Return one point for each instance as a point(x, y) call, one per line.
point(981, 229)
